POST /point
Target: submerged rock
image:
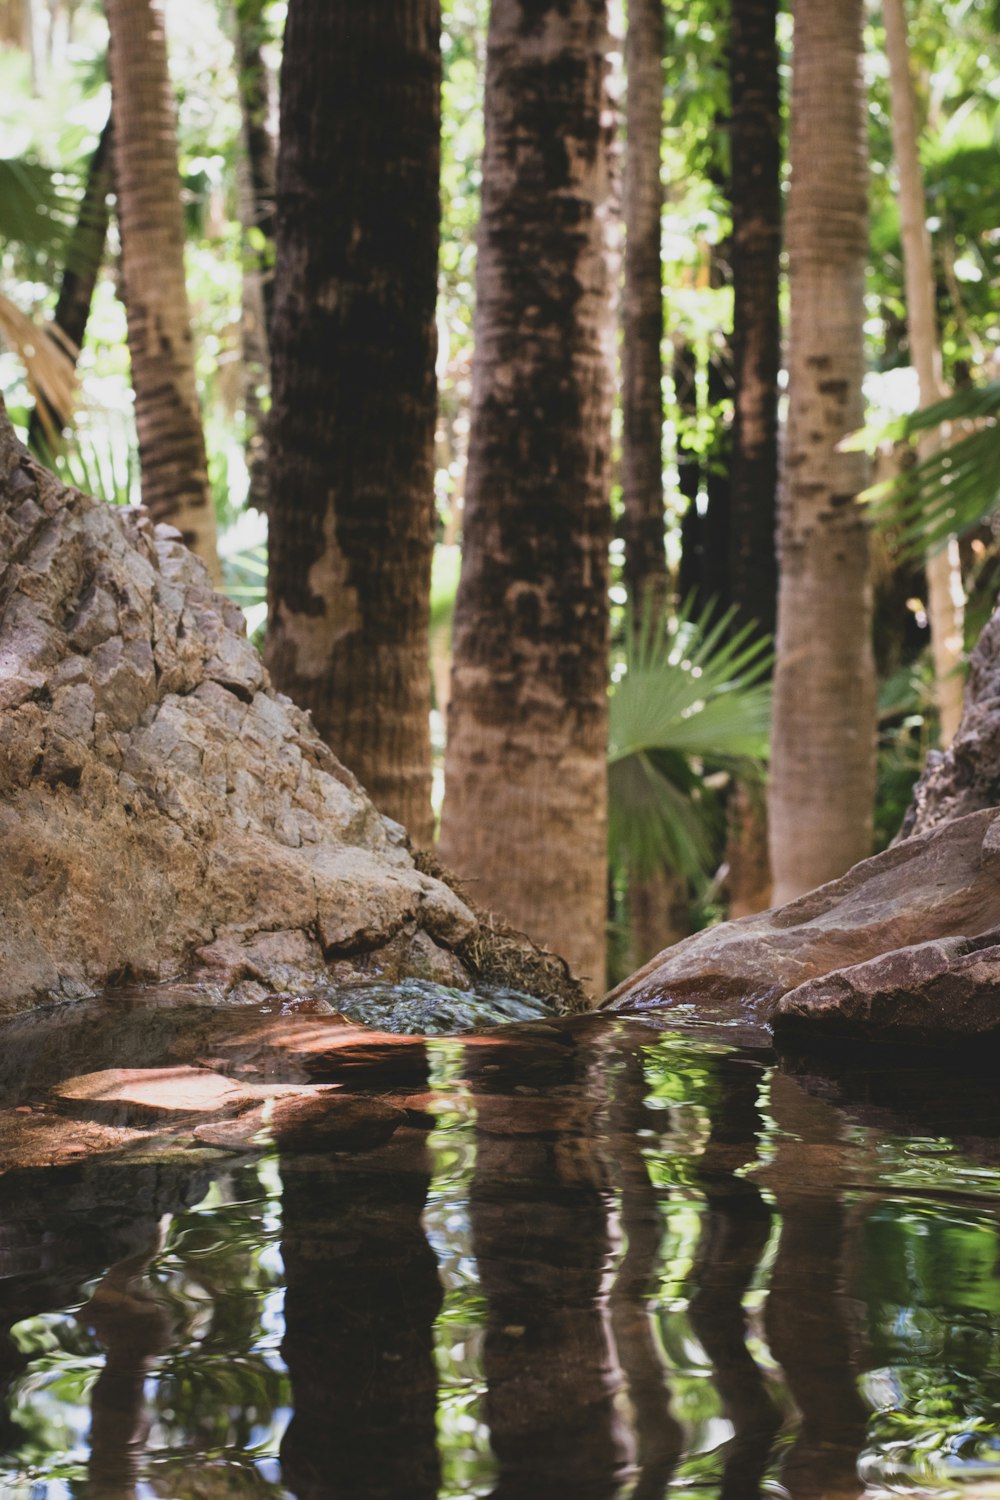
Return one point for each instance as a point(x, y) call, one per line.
point(162, 809)
point(904, 947)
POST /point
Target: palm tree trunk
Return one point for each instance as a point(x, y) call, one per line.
point(823, 757)
point(645, 572)
point(84, 255)
point(172, 457)
point(351, 489)
point(755, 257)
point(526, 784)
point(945, 597)
point(257, 176)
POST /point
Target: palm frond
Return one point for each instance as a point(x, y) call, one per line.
point(951, 490)
point(688, 685)
point(692, 695)
point(37, 205)
point(49, 361)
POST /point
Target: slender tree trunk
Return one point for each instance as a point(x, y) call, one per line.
point(172, 457)
point(657, 903)
point(945, 599)
point(257, 189)
point(642, 312)
point(351, 495)
point(526, 790)
point(84, 256)
point(823, 756)
point(755, 257)
point(755, 253)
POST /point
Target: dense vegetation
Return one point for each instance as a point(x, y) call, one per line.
point(609, 533)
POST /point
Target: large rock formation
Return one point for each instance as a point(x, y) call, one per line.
point(966, 777)
point(905, 946)
point(162, 810)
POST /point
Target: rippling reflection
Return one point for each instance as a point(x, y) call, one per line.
point(584, 1261)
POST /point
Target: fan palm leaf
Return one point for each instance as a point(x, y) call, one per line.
point(691, 696)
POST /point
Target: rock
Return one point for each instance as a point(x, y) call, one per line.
point(163, 811)
point(141, 1096)
point(966, 777)
point(947, 990)
point(856, 947)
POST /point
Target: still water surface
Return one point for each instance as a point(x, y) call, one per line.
point(599, 1263)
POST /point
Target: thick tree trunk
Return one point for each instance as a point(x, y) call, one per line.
point(823, 756)
point(171, 440)
point(352, 427)
point(945, 599)
point(642, 312)
point(526, 791)
point(83, 264)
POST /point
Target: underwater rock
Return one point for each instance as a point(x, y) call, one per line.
point(904, 946)
point(163, 811)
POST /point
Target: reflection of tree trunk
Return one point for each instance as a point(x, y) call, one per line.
point(659, 1434)
point(362, 1297)
point(539, 1211)
point(807, 1318)
point(134, 1329)
point(84, 255)
point(737, 1224)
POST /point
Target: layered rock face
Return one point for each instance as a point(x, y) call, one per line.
point(904, 947)
point(162, 810)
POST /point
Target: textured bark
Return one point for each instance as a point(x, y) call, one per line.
point(171, 440)
point(755, 250)
point(352, 430)
point(823, 753)
point(257, 171)
point(526, 795)
point(642, 522)
point(83, 264)
point(945, 598)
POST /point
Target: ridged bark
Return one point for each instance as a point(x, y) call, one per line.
point(945, 598)
point(642, 523)
point(754, 253)
point(755, 258)
point(353, 343)
point(823, 754)
point(172, 457)
point(526, 792)
point(257, 174)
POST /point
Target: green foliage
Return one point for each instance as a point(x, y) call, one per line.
point(956, 487)
point(689, 697)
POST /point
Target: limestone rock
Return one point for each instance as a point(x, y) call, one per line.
point(940, 885)
point(162, 809)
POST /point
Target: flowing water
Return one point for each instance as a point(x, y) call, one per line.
point(583, 1261)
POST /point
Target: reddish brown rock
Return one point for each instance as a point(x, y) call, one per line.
point(138, 1096)
point(944, 991)
point(938, 885)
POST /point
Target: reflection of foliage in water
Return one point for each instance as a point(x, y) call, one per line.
point(220, 1392)
point(468, 1467)
point(932, 1288)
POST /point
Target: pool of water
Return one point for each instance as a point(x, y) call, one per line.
point(590, 1261)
